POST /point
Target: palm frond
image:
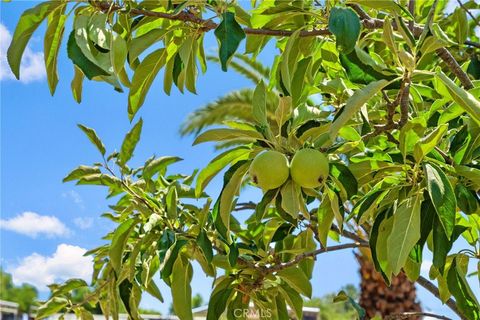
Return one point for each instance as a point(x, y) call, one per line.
point(233, 106)
point(254, 64)
point(252, 70)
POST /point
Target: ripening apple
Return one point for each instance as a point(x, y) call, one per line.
point(309, 168)
point(269, 170)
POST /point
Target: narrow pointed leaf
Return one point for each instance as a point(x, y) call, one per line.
point(26, 26)
point(130, 142)
point(92, 136)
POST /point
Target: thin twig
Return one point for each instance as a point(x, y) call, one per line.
point(445, 156)
point(245, 206)
point(300, 257)
point(424, 282)
point(411, 9)
point(407, 315)
point(469, 13)
point(447, 57)
point(472, 44)
point(208, 25)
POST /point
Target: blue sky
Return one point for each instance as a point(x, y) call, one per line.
point(47, 225)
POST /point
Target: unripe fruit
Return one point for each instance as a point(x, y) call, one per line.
point(269, 170)
point(309, 168)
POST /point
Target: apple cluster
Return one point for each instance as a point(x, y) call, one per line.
point(271, 169)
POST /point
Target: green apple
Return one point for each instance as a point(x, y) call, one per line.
point(309, 168)
point(269, 170)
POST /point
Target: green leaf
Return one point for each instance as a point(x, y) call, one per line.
point(230, 190)
point(118, 56)
point(51, 307)
point(354, 103)
point(218, 299)
point(125, 290)
point(229, 34)
point(465, 298)
point(405, 232)
point(181, 290)
point(389, 5)
point(293, 299)
point(345, 177)
point(342, 296)
point(26, 26)
point(92, 136)
point(158, 165)
point(466, 199)
point(68, 286)
point(81, 172)
point(377, 228)
point(205, 244)
point(77, 84)
point(89, 68)
point(143, 78)
point(325, 217)
point(405, 32)
point(297, 279)
point(166, 241)
point(291, 198)
point(345, 25)
point(171, 200)
point(154, 291)
point(52, 42)
point(428, 143)
point(217, 164)
point(283, 111)
point(382, 248)
point(119, 240)
point(259, 104)
point(442, 195)
point(264, 204)
point(170, 258)
point(130, 142)
point(233, 254)
point(299, 94)
point(360, 72)
point(465, 99)
point(441, 245)
point(139, 44)
point(227, 134)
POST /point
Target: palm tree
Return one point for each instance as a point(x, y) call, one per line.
point(375, 296)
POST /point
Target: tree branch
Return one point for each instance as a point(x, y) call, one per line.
point(429, 286)
point(206, 25)
point(453, 65)
point(407, 315)
point(434, 290)
point(300, 257)
point(469, 13)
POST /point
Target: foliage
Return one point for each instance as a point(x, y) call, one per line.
point(197, 301)
point(392, 109)
point(25, 295)
point(331, 310)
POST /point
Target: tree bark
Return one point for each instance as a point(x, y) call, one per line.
point(379, 299)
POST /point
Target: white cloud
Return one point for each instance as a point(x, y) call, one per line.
point(32, 67)
point(83, 222)
point(32, 224)
point(65, 263)
point(75, 197)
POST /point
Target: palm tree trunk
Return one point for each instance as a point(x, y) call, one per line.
point(379, 299)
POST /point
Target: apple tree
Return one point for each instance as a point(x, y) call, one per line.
point(365, 132)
